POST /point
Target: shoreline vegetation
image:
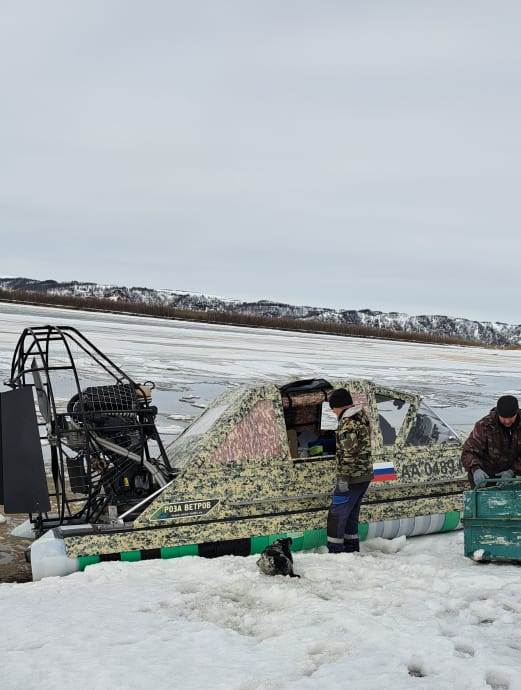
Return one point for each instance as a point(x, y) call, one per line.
point(224, 318)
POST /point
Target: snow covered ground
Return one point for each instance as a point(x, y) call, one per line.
point(422, 617)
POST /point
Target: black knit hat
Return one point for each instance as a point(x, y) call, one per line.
point(507, 406)
point(340, 398)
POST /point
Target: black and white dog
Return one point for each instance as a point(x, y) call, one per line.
point(276, 559)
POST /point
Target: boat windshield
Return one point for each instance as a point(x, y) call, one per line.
point(429, 429)
point(205, 421)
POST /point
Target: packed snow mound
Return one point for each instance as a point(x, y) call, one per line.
point(385, 545)
point(424, 616)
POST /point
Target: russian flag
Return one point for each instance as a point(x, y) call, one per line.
point(383, 471)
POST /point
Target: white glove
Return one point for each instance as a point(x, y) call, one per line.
point(479, 476)
point(506, 474)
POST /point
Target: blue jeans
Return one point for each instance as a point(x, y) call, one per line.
point(342, 520)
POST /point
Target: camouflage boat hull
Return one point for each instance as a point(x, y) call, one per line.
point(221, 528)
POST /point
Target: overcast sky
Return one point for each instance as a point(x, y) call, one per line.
point(333, 153)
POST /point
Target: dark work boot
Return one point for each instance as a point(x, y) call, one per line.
point(351, 543)
point(335, 548)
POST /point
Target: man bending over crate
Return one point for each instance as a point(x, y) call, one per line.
point(493, 449)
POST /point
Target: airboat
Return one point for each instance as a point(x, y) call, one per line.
point(82, 457)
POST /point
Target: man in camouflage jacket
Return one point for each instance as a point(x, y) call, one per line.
point(354, 472)
point(493, 449)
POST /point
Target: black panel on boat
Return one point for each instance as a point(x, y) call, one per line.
point(149, 554)
point(22, 482)
point(231, 547)
point(109, 557)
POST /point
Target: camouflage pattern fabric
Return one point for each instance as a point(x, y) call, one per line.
point(199, 443)
point(493, 447)
point(254, 437)
point(353, 447)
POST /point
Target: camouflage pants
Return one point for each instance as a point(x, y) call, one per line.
point(342, 520)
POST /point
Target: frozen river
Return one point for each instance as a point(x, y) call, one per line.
point(191, 363)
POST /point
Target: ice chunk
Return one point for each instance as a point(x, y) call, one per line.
point(23, 531)
point(478, 555)
point(170, 430)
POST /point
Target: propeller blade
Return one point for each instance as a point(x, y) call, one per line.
point(43, 399)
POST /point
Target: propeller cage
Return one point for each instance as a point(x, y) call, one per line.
point(102, 452)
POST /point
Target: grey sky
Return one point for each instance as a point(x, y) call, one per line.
point(348, 154)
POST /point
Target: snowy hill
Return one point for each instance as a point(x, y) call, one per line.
point(487, 332)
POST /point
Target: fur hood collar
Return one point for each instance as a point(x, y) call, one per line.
point(350, 412)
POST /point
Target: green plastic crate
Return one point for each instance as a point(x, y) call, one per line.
point(492, 522)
